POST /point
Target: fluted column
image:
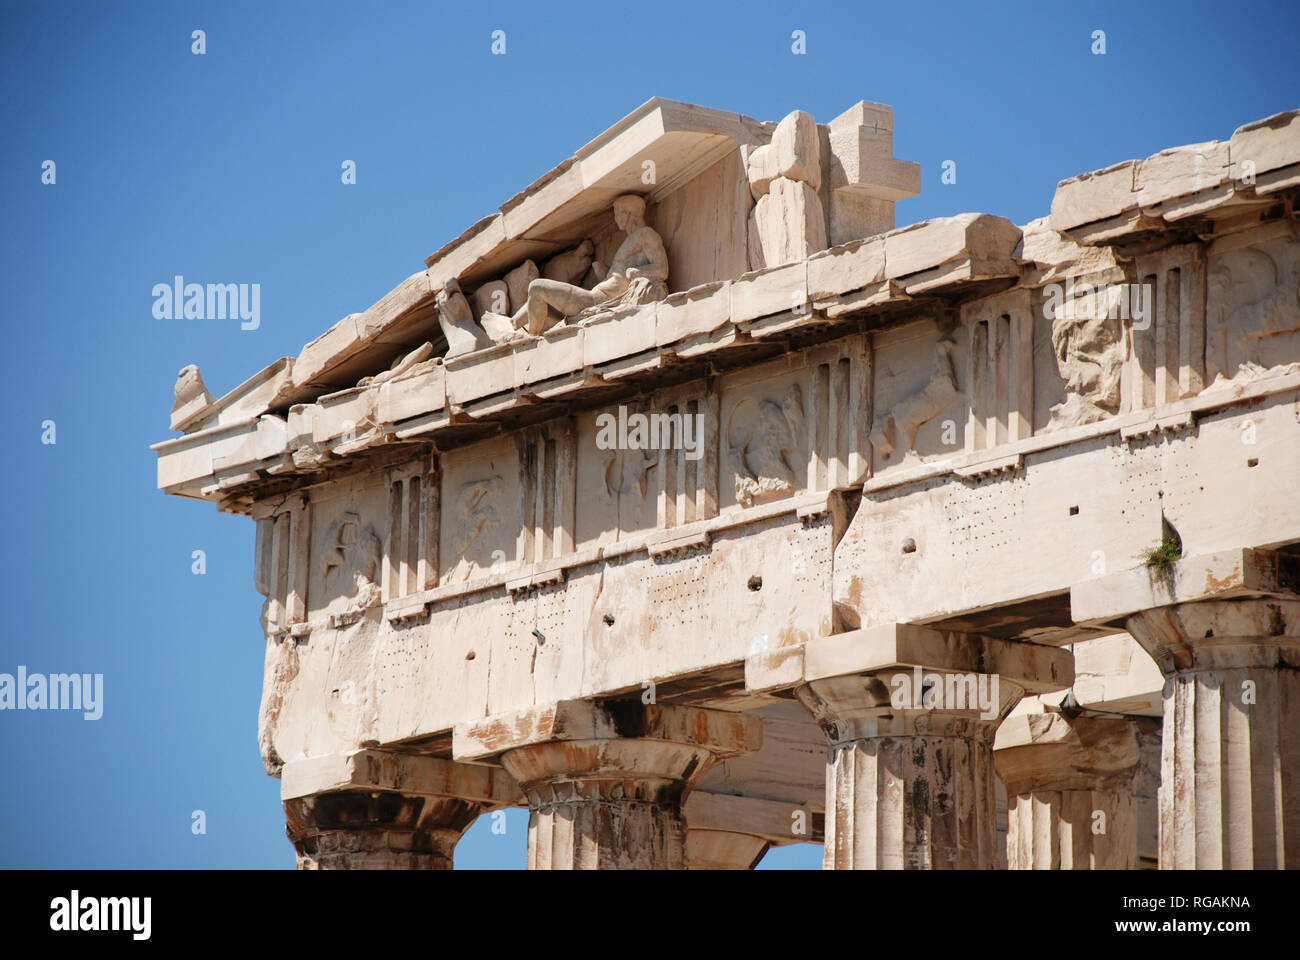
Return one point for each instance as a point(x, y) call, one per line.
point(909, 788)
point(1230, 763)
point(1225, 631)
point(375, 809)
point(910, 713)
point(605, 780)
point(1070, 801)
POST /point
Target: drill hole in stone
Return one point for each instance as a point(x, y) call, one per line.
point(755, 583)
point(609, 619)
point(909, 545)
point(1253, 462)
point(1074, 511)
point(470, 655)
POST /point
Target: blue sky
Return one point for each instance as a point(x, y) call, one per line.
point(226, 167)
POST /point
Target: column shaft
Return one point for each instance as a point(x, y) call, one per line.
point(911, 803)
point(1230, 758)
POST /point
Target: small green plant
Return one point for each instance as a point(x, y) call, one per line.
point(1162, 557)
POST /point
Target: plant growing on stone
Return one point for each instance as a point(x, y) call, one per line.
point(1160, 558)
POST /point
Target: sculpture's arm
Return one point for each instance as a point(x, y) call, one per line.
point(642, 255)
point(656, 257)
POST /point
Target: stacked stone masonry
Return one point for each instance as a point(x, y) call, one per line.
point(708, 511)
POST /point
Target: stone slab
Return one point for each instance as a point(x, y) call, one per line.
point(1217, 576)
point(725, 734)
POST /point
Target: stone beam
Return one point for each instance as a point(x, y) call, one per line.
point(1213, 180)
point(1243, 573)
point(1037, 668)
point(1114, 674)
point(415, 774)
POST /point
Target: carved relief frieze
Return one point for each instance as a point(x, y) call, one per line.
point(919, 405)
point(281, 564)
point(1253, 314)
point(1089, 347)
point(766, 440)
point(896, 429)
point(476, 513)
point(351, 568)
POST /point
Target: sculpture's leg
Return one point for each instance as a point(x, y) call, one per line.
point(564, 297)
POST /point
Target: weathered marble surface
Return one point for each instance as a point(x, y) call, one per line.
point(960, 426)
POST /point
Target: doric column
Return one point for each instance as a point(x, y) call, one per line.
point(1070, 803)
point(910, 714)
point(1224, 629)
point(378, 810)
point(605, 780)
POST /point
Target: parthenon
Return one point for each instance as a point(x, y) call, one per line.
point(693, 505)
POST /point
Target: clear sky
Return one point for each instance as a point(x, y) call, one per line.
point(225, 167)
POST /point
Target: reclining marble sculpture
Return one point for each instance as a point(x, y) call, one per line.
point(638, 274)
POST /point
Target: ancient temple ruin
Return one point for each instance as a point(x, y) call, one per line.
point(691, 504)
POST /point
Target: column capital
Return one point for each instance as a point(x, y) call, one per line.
point(1069, 781)
point(906, 679)
point(1050, 751)
point(910, 712)
point(605, 779)
point(376, 830)
point(373, 809)
point(1220, 635)
point(1224, 629)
